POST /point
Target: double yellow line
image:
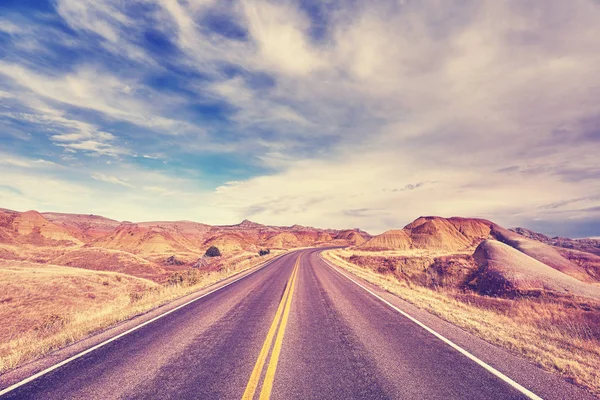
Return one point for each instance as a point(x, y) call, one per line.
point(281, 315)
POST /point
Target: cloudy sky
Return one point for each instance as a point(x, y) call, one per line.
point(325, 113)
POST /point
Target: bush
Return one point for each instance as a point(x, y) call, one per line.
point(264, 252)
point(212, 251)
point(173, 261)
point(184, 278)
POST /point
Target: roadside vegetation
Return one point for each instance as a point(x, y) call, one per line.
point(213, 251)
point(560, 334)
point(46, 307)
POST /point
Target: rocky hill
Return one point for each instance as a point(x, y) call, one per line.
point(471, 252)
point(589, 245)
point(433, 233)
point(142, 249)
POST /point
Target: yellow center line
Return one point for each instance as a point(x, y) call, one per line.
point(264, 352)
point(265, 393)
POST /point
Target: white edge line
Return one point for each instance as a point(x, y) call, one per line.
point(83, 353)
point(456, 347)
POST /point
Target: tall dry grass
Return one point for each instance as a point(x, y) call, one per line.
point(42, 323)
point(560, 335)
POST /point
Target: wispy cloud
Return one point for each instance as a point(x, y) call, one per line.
point(111, 179)
point(23, 162)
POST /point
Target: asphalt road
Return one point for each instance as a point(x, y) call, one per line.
point(295, 329)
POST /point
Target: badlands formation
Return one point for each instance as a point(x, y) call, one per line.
point(432, 251)
point(479, 254)
point(149, 250)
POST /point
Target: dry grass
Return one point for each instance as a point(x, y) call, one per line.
point(45, 307)
point(397, 253)
point(560, 335)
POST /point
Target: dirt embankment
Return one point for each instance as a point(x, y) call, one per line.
point(454, 270)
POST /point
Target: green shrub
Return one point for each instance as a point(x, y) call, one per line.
point(264, 252)
point(212, 251)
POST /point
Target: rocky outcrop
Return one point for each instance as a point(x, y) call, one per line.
point(434, 233)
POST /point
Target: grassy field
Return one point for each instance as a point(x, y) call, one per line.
point(560, 335)
point(44, 307)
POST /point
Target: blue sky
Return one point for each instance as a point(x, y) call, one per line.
point(324, 113)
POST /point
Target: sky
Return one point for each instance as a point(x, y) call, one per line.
point(328, 113)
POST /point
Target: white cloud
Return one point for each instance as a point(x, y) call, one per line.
point(11, 28)
point(254, 109)
point(8, 160)
point(24, 162)
point(71, 134)
point(96, 90)
point(362, 181)
point(111, 179)
point(280, 33)
point(94, 147)
point(46, 162)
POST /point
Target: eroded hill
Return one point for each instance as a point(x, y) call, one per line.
point(471, 253)
point(143, 249)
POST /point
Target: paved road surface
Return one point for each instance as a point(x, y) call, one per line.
point(295, 329)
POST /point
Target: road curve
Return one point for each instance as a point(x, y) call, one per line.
point(296, 329)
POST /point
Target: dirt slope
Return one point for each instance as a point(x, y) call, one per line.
point(395, 239)
point(100, 259)
point(229, 242)
point(283, 240)
point(32, 227)
point(433, 233)
point(352, 236)
point(588, 245)
point(504, 270)
point(84, 227)
point(544, 253)
point(145, 239)
point(44, 296)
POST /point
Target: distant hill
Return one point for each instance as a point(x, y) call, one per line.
point(589, 245)
point(141, 238)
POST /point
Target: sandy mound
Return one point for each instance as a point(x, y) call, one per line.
point(7, 232)
point(504, 270)
point(110, 260)
point(324, 237)
point(352, 236)
point(144, 239)
point(36, 228)
point(252, 232)
point(543, 253)
point(434, 233)
point(473, 228)
point(588, 245)
point(82, 226)
point(228, 242)
point(284, 240)
point(452, 234)
point(588, 262)
point(193, 233)
point(307, 238)
point(395, 239)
